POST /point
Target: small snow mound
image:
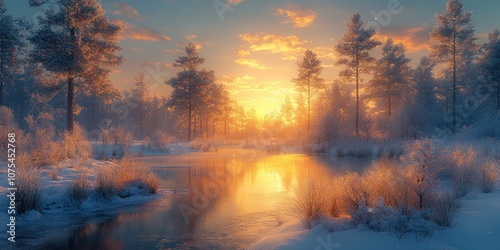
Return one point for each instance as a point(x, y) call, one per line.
point(32, 215)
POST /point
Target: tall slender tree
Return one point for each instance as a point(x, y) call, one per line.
point(490, 63)
point(76, 41)
point(391, 75)
point(11, 44)
point(454, 44)
point(189, 84)
point(309, 79)
point(354, 48)
point(141, 92)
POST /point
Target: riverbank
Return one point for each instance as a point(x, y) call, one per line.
point(476, 227)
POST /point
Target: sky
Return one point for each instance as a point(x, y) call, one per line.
point(253, 45)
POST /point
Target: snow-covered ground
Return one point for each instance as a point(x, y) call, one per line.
point(477, 226)
point(58, 210)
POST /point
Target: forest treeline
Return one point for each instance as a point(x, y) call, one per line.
point(56, 72)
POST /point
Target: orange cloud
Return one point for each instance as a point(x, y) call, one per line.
point(251, 63)
point(191, 37)
point(173, 51)
point(125, 10)
point(297, 15)
point(140, 33)
point(414, 39)
point(198, 45)
point(234, 2)
point(273, 43)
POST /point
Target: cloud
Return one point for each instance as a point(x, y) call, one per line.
point(290, 48)
point(122, 9)
point(273, 43)
point(198, 45)
point(173, 51)
point(414, 39)
point(251, 63)
point(191, 37)
point(140, 33)
point(234, 2)
point(297, 15)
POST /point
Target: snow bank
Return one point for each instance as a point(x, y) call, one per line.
point(477, 227)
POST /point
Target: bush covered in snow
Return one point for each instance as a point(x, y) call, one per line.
point(115, 143)
point(489, 176)
point(309, 202)
point(116, 177)
point(29, 186)
point(79, 189)
point(159, 141)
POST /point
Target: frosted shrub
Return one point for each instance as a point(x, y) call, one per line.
point(80, 189)
point(75, 145)
point(422, 169)
point(159, 140)
point(354, 191)
point(445, 207)
point(106, 183)
point(29, 187)
point(309, 201)
point(489, 176)
point(121, 141)
point(115, 178)
point(464, 170)
point(201, 145)
point(388, 181)
point(400, 221)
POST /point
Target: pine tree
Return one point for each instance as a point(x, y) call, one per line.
point(11, 45)
point(491, 62)
point(354, 48)
point(454, 45)
point(76, 42)
point(309, 79)
point(391, 75)
point(141, 92)
point(189, 84)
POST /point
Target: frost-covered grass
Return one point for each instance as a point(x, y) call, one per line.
point(29, 186)
point(115, 177)
point(414, 194)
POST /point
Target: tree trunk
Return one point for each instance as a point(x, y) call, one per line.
point(194, 127)
point(69, 113)
point(189, 121)
point(498, 96)
point(454, 122)
point(357, 95)
point(1, 82)
point(213, 128)
point(225, 125)
point(71, 78)
point(308, 107)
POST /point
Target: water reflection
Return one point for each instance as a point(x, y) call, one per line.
point(223, 200)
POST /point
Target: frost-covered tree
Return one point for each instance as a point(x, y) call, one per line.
point(424, 100)
point(309, 79)
point(491, 62)
point(141, 92)
point(77, 43)
point(454, 45)
point(421, 168)
point(391, 75)
point(354, 48)
point(189, 84)
point(12, 33)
